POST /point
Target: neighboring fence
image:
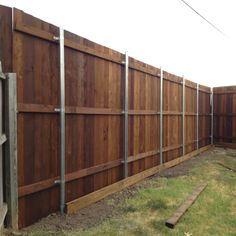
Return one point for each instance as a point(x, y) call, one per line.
point(94, 117)
point(225, 116)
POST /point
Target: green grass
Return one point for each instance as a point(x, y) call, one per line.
point(214, 212)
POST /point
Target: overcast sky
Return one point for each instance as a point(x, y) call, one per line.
point(159, 32)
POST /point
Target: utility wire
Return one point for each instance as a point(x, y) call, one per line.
point(216, 28)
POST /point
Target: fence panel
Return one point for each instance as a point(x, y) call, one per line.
point(94, 105)
point(225, 116)
point(204, 116)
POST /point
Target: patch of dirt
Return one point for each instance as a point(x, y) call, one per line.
point(104, 209)
point(184, 167)
point(86, 217)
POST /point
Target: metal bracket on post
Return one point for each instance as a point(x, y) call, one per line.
point(183, 116)
point(126, 116)
point(62, 121)
point(197, 118)
point(212, 116)
point(11, 182)
point(161, 116)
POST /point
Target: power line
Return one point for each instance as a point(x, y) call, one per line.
point(216, 28)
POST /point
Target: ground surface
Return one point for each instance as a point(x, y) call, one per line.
point(143, 208)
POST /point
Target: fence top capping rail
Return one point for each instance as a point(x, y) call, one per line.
point(48, 32)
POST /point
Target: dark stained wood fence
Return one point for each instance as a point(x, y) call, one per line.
point(94, 89)
point(225, 116)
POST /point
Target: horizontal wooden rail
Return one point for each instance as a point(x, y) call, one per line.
point(224, 92)
point(42, 34)
point(49, 183)
point(36, 187)
point(143, 155)
point(88, 199)
point(171, 148)
point(224, 137)
point(91, 170)
point(31, 108)
point(40, 108)
point(204, 91)
point(172, 78)
point(45, 184)
point(224, 114)
point(45, 35)
point(92, 111)
point(172, 113)
point(225, 145)
point(143, 112)
point(68, 109)
point(93, 52)
point(204, 114)
point(203, 138)
point(194, 87)
point(146, 70)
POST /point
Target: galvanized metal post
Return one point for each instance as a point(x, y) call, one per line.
point(183, 115)
point(11, 151)
point(126, 116)
point(161, 116)
point(197, 118)
point(62, 121)
point(212, 116)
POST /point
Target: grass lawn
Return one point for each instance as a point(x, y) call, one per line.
point(213, 213)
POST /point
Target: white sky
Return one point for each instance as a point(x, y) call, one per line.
point(159, 32)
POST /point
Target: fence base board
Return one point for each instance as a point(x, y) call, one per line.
point(225, 145)
point(93, 197)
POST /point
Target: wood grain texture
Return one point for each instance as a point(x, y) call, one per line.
point(94, 101)
point(6, 38)
point(171, 222)
point(224, 116)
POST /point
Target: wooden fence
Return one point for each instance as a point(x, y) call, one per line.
point(94, 104)
point(225, 116)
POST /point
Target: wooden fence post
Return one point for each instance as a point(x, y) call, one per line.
point(11, 151)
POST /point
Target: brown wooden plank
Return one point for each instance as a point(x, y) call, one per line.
point(224, 114)
point(143, 112)
point(142, 155)
point(171, 222)
point(225, 145)
point(92, 110)
point(92, 52)
point(45, 184)
point(172, 147)
point(172, 113)
point(225, 92)
point(21, 107)
point(92, 170)
point(225, 166)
